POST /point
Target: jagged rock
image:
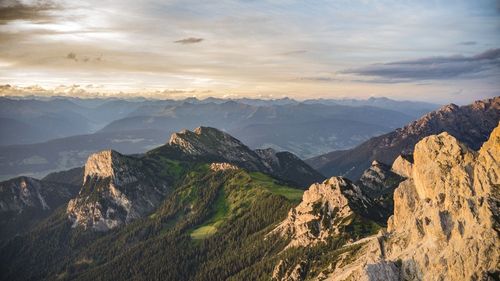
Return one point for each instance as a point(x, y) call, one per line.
point(283, 271)
point(403, 165)
point(222, 167)
point(445, 223)
point(378, 183)
point(325, 210)
point(116, 190)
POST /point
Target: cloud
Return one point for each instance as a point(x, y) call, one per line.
point(71, 56)
point(16, 10)
point(482, 65)
point(468, 43)
point(190, 40)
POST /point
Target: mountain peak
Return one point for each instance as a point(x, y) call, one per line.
point(445, 218)
point(325, 210)
point(102, 164)
point(202, 140)
point(208, 145)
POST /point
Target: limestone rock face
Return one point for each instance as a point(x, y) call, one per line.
point(445, 222)
point(403, 165)
point(115, 191)
point(325, 209)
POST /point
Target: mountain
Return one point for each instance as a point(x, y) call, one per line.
point(198, 213)
point(446, 218)
point(211, 145)
point(378, 182)
point(24, 201)
point(192, 209)
point(310, 138)
point(231, 115)
point(29, 121)
point(303, 129)
point(413, 108)
point(470, 124)
point(327, 209)
point(116, 190)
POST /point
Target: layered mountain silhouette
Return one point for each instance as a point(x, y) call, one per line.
point(42, 136)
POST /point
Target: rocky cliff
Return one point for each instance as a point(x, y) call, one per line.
point(446, 217)
point(470, 124)
point(116, 189)
point(327, 209)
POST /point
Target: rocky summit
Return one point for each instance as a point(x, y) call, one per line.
point(327, 209)
point(446, 218)
point(116, 190)
point(212, 145)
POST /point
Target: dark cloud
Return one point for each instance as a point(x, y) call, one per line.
point(71, 56)
point(16, 10)
point(468, 43)
point(481, 65)
point(190, 40)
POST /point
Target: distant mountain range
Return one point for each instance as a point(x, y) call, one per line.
point(41, 136)
point(470, 124)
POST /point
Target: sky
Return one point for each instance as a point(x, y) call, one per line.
point(437, 51)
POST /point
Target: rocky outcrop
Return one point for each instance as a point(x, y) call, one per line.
point(24, 201)
point(216, 167)
point(470, 124)
point(326, 210)
point(378, 183)
point(117, 189)
point(209, 145)
point(446, 217)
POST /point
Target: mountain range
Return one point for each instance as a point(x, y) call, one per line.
point(42, 136)
point(205, 206)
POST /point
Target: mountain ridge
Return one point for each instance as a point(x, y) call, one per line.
point(470, 124)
